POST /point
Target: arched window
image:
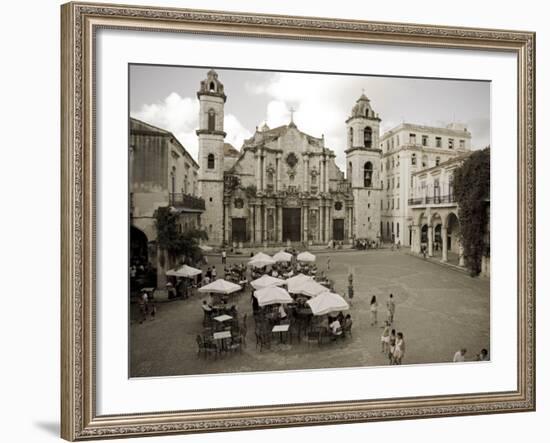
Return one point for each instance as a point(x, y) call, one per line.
point(413, 159)
point(367, 175)
point(212, 87)
point(173, 181)
point(368, 137)
point(351, 137)
point(350, 171)
point(211, 161)
point(211, 120)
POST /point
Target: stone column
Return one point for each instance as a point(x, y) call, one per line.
point(444, 244)
point(325, 176)
point(321, 220)
point(415, 243)
point(327, 222)
point(306, 223)
point(258, 223)
point(278, 173)
point(280, 223)
point(330, 222)
point(461, 255)
point(262, 172)
point(430, 240)
point(321, 176)
point(227, 217)
point(306, 172)
point(258, 158)
point(264, 230)
point(351, 224)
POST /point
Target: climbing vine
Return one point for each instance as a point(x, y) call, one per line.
point(175, 243)
point(472, 192)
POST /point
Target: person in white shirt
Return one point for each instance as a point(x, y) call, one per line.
point(459, 356)
point(214, 273)
point(336, 327)
point(282, 312)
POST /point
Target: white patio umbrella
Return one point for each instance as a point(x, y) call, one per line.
point(306, 257)
point(258, 255)
point(260, 262)
point(220, 286)
point(310, 288)
point(272, 295)
point(293, 283)
point(184, 271)
point(206, 248)
point(282, 256)
point(266, 281)
point(326, 303)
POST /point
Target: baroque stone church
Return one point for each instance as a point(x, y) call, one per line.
point(284, 185)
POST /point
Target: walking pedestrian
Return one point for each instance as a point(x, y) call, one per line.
point(224, 257)
point(214, 273)
point(391, 347)
point(399, 351)
point(390, 305)
point(328, 263)
point(460, 356)
point(143, 299)
point(374, 310)
point(385, 338)
point(483, 355)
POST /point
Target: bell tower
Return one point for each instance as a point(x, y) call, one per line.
point(211, 141)
point(363, 157)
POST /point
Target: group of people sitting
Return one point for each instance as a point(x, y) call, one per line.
point(339, 325)
point(235, 273)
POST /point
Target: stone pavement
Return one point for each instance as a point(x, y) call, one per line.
point(439, 310)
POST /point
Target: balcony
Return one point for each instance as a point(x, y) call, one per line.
point(433, 200)
point(187, 201)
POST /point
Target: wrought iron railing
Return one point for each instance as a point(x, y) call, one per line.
point(187, 201)
point(433, 200)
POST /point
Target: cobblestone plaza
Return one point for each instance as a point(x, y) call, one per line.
point(439, 310)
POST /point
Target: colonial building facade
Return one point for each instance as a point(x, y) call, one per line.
point(161, 173)
point(284, 185)
point(406, 150)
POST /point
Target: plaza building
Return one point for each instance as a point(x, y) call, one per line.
point(434, 212)
point(406, 150)
point(161, 174)
point(282, 187)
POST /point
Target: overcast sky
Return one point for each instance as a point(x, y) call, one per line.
point(166, 97)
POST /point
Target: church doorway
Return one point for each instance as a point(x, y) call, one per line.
point(338, 229)
point(238, 230)
point(292, 224)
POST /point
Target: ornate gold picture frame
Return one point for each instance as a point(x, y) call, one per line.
point(80, 22)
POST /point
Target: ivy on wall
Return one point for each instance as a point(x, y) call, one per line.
point(175, 243)
point(472, 192)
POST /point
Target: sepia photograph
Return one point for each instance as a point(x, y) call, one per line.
point(283, 221)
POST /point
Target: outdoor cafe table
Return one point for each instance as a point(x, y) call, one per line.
point(280, 329)
point(223, 335)
point(222, 318)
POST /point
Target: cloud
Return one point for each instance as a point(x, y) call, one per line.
point(318, 103)
point(323, 103)
point(180, 115)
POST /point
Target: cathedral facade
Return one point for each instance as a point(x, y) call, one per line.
point(283, 185)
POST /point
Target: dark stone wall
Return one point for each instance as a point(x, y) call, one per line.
point(150, 162)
